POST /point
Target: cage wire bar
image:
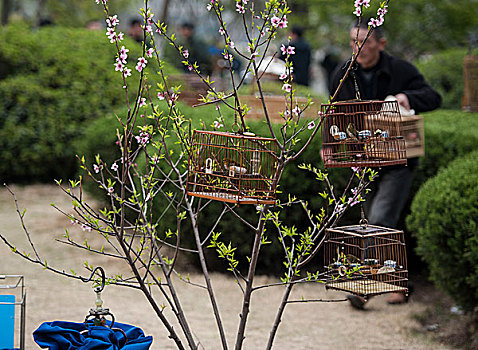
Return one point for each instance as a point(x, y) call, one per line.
point(12, 297)
point(233, 168)
point(366, 260)
point(362, 134)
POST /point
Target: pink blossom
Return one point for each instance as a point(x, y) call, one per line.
point(209, 7)
point(127, 72)
point(114, 167)
point(148, 29)
point(143, 138)
point(161, 95)
point(110, 31)
point(85, 227)
point(102, 1)
point(296, 110)
point(185, 53)
point(382, 11)
point(311, 125)
point(283, 76)
point(287, 87)
point(96, 168)
point(231, 44)
point(142, 101)
point(240, 8)
point(190, 68)
point(222, 31)
point(374, 22)
point(283, 22)
point(290, 50)
point(118, 65)
point(112, 21)
point(283, 49)
point(275, 21)
point(123, 54)
point(155, 158)
point(141, 64)
point(358, 12)
point(150, 52)
point(111, 189)
point(355, 169)
point(172, 99)
point(217, 124)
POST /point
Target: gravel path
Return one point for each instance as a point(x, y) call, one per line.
point(304, 326)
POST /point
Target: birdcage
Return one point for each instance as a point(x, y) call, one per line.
point(233, 168)
point(362, 134)
point(366, 260)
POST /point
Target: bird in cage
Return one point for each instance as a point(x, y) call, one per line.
point(234, 169)
point(352, 132)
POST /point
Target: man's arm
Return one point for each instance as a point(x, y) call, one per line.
point(420, 95)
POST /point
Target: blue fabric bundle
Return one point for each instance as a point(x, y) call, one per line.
point(62, 335)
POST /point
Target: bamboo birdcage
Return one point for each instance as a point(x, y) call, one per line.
point(233, 168)
point(362, 134)
point(366, 260)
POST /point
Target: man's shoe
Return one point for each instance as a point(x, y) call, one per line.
point(356, 301)
point(397, 298)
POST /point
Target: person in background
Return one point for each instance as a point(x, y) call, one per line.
point(378, 76)
point(197, 50)
point(135, 30)
point(301, 59)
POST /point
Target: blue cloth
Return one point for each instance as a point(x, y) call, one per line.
point(62, 335)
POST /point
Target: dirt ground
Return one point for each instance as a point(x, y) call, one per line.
point(304, 326)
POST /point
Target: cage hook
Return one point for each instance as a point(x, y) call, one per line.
point(363, 221)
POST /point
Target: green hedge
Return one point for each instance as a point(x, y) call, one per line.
point(444, 71)
point(449, 134)
point(444, 219)
point(53, 81)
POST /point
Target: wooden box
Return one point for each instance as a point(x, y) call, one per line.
point(414, 135)
point(275, 105)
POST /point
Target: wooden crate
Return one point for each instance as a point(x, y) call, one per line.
point(275, 105)
point(414, 135)
point(470, 83)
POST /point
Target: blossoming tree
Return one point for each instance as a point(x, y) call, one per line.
point(128, 224)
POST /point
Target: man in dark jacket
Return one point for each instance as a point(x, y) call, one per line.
point(377, 76)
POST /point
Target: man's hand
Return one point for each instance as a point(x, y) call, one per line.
point(402, 100)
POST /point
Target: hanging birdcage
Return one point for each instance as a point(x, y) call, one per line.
point(366, 260)
point(233, 168)
point(362, 134)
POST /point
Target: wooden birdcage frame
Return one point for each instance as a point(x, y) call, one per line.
point(233, 168)
point(362, 134)
point(366, 260)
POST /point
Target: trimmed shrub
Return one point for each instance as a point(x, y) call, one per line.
point(444, 71)
point(444, 219)
point(449, 134)
point(53, 81)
